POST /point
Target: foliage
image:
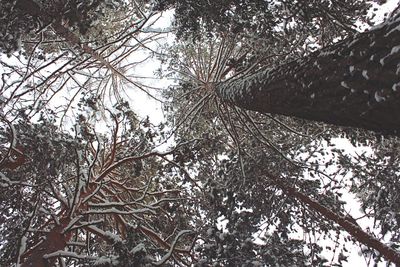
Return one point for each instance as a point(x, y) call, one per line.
point(374, 179)
point(253, 145)
point(214, 185)
point(231, 160)
point(100, 190)
point(269, 20)
point(17, 23)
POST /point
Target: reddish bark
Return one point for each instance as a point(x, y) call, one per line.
point(354, 230)
point(54, 240)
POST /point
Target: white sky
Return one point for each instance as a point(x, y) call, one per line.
point(141, 103)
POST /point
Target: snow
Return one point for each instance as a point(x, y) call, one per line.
point(110, 260)
point(69, 254)
point(174, 243)
point(22, 247)
point(382, 61)
point(365, 74)
point(104, 260)
point(140, 247)
point(379, 98)
point(396, 86)
point(122, 212)
point(4, 181)
point(72, 222)
point(395, 50)
point(344, 84)
point(113, 237)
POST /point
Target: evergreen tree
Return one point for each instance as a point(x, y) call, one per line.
point(236, 187)
point(353, 82)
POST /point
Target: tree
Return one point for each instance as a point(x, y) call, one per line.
point(89, 198)
point(53, 198)
point(376, 183)
point(205, 66)
point(237, 188)
point(60, 61)
point(243, 181)
point(24, 17)
point(360, 84)
point(352, 83)
point(266, 19)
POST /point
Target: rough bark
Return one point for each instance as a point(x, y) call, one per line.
point(354, 230)
point(355, 83)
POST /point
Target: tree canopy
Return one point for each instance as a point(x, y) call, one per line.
point(233, 175)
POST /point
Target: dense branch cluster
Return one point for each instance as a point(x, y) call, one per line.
point(21, 18)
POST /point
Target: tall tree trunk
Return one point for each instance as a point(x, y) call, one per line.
point(354, 230)
point(355, 82)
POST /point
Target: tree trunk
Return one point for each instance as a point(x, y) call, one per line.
point(354, 230)
point(355, 83)
point(55, 240)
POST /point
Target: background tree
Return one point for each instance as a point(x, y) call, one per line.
point(61, 62)
point(260, 19)
point(22, 18)
point(374, 179)
point(91, 198)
